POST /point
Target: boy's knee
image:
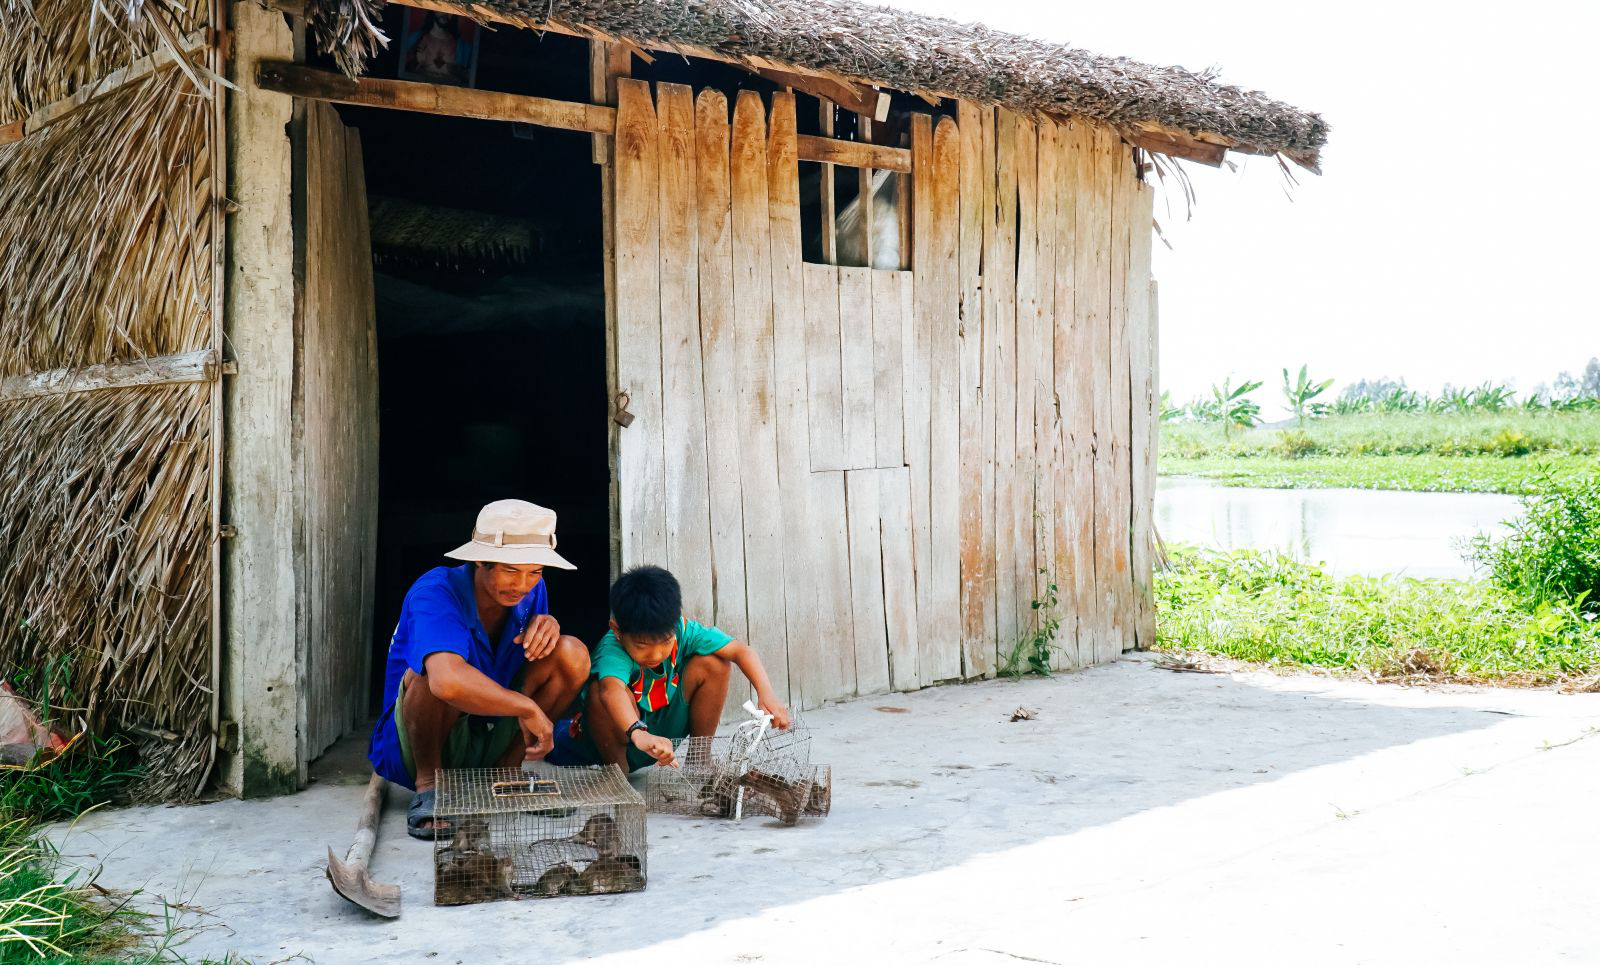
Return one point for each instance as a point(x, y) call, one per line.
point(708, 668)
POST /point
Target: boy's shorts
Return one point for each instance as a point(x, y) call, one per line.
point(575, 748)
point(473, 742)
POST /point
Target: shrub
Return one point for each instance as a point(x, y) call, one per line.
point(1510, 442)
point(1553, 552)
point(1293, 444)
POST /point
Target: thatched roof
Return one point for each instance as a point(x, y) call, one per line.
point(904, 50)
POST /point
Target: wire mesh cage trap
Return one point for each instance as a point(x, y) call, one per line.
point(537, 834)
point(755, 770)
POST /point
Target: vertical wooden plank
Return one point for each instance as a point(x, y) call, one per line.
point(824, 378)
point(1105, 502)
point(1121, 520)
point(1141, 366)
point(687, 506)
point(917, 399)
point(338, 398)
point(904, 188)
point(1046, 417)
point(855, 330)
point(1080, 379)
point(835, 613)
point(888, 366)
point(821, 667)
point(976, 165)
point(1025, 457)
point(942, 302)
point(753, 350)
point(899, 578)
point(719, 356)
point(1149, 630)
point(1003, 276)
point(640, 470)
point(861, 488)
point(830, 214)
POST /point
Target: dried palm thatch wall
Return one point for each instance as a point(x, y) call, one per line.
point(107, 260)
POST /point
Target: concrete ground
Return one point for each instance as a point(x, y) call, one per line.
point(1145, 815)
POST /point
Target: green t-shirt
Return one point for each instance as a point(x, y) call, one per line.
point(655, 689)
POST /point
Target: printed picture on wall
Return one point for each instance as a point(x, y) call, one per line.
point(440, 48)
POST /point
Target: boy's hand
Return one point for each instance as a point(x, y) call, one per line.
point(772, 705)
point(539, 637)
point(657, 747)
point(538, 735)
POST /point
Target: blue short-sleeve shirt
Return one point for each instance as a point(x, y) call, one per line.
point(440, 615)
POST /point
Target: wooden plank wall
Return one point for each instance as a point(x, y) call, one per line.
point(1055, 387)
point(872, 475)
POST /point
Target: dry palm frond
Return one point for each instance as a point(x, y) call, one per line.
point(901, 49)
point(112, 262)
point(50, 48)
point(104, 558)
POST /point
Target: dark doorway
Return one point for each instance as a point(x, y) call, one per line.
point(491, 330)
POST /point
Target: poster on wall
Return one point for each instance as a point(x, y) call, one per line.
point(440, 48)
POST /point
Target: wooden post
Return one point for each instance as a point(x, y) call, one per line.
point(830, 250)
point(261, 687)
point(607, 62)
point(864, 192)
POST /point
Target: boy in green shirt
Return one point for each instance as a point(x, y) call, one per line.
point(656, 678)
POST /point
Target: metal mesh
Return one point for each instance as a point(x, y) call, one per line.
point(537, 833)
point(746, 772)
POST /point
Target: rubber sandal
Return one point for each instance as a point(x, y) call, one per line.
point(421, 810)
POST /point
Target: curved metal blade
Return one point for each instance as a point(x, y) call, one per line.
point(351, 881)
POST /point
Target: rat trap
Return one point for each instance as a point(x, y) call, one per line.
point(537, 834)
point(756, 770)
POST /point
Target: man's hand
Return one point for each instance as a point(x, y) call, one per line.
point(539, 637)
point(538, 735)
point(657, 747)
point(772, 705)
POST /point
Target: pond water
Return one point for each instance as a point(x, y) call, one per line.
point(1351, 530)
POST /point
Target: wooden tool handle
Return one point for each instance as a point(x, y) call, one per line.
point(367, 829)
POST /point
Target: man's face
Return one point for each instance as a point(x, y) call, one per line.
point(647, 651)
point(508, 583)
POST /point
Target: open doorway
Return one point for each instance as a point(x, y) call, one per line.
point(490, 299)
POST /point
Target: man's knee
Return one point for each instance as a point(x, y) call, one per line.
point(571, 658)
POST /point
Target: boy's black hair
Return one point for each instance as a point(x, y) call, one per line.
point(647, 601)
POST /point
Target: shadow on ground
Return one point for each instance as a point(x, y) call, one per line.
point(949, 779)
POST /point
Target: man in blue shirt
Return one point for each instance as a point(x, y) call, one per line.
point(478, 668)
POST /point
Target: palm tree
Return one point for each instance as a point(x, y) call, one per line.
point(1300, 392)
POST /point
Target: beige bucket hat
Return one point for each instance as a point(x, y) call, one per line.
point(513, 531)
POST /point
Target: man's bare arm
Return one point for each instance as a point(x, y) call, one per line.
point(470, 691)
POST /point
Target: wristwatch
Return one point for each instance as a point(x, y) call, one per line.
point(627, 735)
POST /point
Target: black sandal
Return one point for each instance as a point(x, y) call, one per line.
point(421, 810)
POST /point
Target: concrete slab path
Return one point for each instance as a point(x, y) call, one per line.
point(1144, 816)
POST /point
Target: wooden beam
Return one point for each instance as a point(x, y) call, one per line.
point(323, 85)
point(98, 90)
point(855, 154)
point(858, 98)
point(198, 366)
point(1173, 146)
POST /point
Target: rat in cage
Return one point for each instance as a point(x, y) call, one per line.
point(753, 770)
point(540, 833)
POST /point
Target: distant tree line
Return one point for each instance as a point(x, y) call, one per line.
point(1233, 407)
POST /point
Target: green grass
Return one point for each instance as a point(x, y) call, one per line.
point(1270, 609)
point(1502, 452)
point(1441, 474)
point(1513, 433)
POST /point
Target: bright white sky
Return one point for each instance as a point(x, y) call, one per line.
point(1450, 238)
